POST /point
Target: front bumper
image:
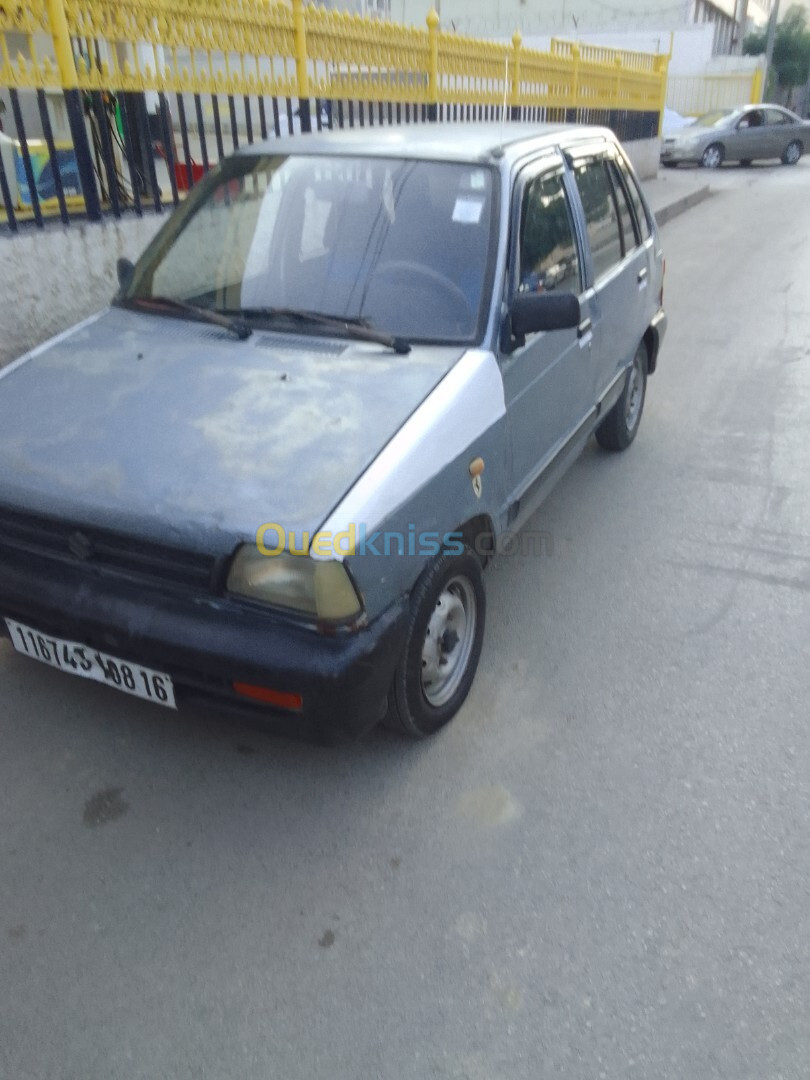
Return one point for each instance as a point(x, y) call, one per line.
point(676, 154)
point(206, 643)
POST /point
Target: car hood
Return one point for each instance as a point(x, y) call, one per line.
point(177, 432)
point(686, 134)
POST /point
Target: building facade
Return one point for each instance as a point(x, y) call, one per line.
point(731, 19)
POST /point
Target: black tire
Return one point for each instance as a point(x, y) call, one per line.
point(621, 424)
point(793, 151)
point(410, 710)
point(713, 156)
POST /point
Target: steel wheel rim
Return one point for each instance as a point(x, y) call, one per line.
point(448, 641)
point(712, 157)
point(792, 153)
point(635, 394)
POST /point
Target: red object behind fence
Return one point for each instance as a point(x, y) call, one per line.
point(181, 174)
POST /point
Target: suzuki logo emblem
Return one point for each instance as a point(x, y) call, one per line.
point(80, 546)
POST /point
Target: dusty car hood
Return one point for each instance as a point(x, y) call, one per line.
point(686, 134)
point(178, 432)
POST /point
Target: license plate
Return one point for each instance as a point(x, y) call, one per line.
point(87, 663)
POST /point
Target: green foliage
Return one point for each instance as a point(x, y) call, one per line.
point(791, 49)
point(755, 44)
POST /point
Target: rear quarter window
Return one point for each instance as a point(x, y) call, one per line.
point(635, 197)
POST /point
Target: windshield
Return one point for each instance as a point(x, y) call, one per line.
point(403, 245)
point(718, 118)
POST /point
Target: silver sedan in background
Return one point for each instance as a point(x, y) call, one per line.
point(745, 134)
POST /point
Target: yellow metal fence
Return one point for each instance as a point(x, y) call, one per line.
point(293, 49)
point(80, 72)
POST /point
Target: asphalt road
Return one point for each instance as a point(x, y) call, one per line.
point(602, 869)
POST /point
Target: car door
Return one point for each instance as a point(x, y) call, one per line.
point(638, 262)
point(619, 266)
point(548, 378)
point(780, 130)
point(748, 139)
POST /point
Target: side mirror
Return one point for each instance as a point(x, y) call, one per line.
point(126, 271)
point(531, 313)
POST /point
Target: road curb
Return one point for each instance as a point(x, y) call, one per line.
point(678, 206)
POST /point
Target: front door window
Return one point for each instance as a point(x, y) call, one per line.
point(548, 251)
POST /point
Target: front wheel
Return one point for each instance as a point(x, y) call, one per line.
point(792, 153)
point(443, 646)
point(713, 156)
point(620, 426)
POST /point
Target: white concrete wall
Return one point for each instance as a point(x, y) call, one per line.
point(487, 18)
point(51, 279)
point(644, 155)
point(691, 45)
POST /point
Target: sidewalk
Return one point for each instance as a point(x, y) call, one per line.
point(675, 190)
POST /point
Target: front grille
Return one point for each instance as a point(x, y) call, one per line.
point(104, 551)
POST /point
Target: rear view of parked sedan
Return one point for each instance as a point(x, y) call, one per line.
point(750, 133)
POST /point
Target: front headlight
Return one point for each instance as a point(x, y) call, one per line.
point(320, 588)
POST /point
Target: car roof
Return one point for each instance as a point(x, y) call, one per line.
point(436, 141)
point(763, 105)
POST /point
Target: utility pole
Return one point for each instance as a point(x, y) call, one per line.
point(740, 22)
point(769, 45)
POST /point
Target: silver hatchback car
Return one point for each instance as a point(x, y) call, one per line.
point(349, 367)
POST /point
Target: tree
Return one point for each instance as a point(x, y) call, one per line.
point(791, 50)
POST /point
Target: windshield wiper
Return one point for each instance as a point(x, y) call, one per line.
point(216, 318)
point(357, 328)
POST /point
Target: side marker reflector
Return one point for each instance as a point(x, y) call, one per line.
point(282, 700)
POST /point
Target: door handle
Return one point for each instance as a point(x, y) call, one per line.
point(642, 275)
point(584, 328)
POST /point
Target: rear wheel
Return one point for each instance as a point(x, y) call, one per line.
point(792, 153)
point(443, 646)
point(620, 426)
point(713, 156)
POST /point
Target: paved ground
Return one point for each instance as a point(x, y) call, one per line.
point(602, 869)
point(674, 191)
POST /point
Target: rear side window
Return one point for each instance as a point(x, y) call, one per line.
point(635, 197)
point(775, 116)
point(625, 213)
point(604, 230)
point(548, 251)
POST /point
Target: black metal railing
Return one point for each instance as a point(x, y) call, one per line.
point(135, 152)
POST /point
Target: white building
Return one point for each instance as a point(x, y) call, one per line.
point(731, 19)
